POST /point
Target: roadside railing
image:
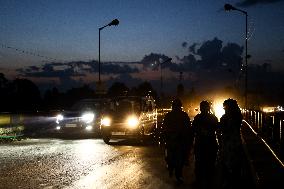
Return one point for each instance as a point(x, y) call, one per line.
point(269, 126)
point(14, 125)
point(10, 125)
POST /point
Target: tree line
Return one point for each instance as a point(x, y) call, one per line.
point(23, 95)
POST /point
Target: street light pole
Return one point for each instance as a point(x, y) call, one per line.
point(229, 7)
point(169, 59)
point(162, 93)
point(100, 55)
point(246, 69)
point(115, 22)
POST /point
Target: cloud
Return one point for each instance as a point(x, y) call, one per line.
point(248, 3)
point(71, 69)
point(210, 53)
point(203, 60)
point(127, 79)
point(153, 60)
point(192, 48)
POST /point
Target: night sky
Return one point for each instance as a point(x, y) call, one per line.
point(39, 39)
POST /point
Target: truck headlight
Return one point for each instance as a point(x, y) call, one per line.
point(132, 121)
point(88, 117)
point(59, 118)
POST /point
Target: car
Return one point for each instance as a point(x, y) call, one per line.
point(82, 118)
point(129, 117)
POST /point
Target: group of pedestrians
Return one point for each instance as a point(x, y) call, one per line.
point(213, 142)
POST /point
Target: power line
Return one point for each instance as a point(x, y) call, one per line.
point(53, 59)
point(28, 52)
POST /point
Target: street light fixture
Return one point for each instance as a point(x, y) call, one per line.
point(229, 7)
point(115, 22)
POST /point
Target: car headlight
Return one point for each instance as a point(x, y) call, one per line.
point(89, 127)
point(59, 118)
point(132, 121)
point(106, 121)
point(88, 117)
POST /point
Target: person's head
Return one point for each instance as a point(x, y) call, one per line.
point(176, 104)
point(204, 106)
point(230, 105)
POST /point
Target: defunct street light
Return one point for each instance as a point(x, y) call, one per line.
point(169, 59)
point(229, 7)
point(115, 22)
point(162, 93)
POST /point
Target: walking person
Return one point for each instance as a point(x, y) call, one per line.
point(231, 151)
point(177, 133)
point(204, 128)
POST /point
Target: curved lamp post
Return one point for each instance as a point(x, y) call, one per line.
point(115, 22)
point(229, 7)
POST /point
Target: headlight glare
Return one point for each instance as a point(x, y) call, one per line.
point(59, 118)
point(89, 127)
point(106, 121)
point(132, 121)
point(88, 117)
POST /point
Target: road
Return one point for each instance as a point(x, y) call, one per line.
point(85, 163)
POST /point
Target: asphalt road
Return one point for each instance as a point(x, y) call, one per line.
point(85, 163)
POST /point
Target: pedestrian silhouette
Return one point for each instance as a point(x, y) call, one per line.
point(177, 133)
point(204, 128)
point(231, 151)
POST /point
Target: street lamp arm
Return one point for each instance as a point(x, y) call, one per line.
point(103, 27)
point(245, 12)
point(115, 22)
point(229, 7)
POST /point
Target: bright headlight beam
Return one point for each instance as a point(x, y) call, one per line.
point(132, 121)
point(88, 117)
point(106, 121)
point(218, 110)
point(88, 128)
point(59, 118)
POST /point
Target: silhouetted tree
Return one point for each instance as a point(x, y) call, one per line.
point(52, 99)
point(76, 94)
point(117, 89)
point(4, 93)
point(143, 89)
point(25, 96)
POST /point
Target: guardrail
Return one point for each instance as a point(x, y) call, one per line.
point(269, 126)
point(10, 125)
point(266, 168)
point(13, 125)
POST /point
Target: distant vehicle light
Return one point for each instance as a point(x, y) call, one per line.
point(58, 128)
point(132, 121)
point(88, 117)
point(218, 110)
point(106, 121)
point(59, 118)
point(269, 109)
point(89, 127)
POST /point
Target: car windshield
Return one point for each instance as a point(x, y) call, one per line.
point(124, 106)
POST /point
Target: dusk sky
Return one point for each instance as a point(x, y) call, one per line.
point(38, 32)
